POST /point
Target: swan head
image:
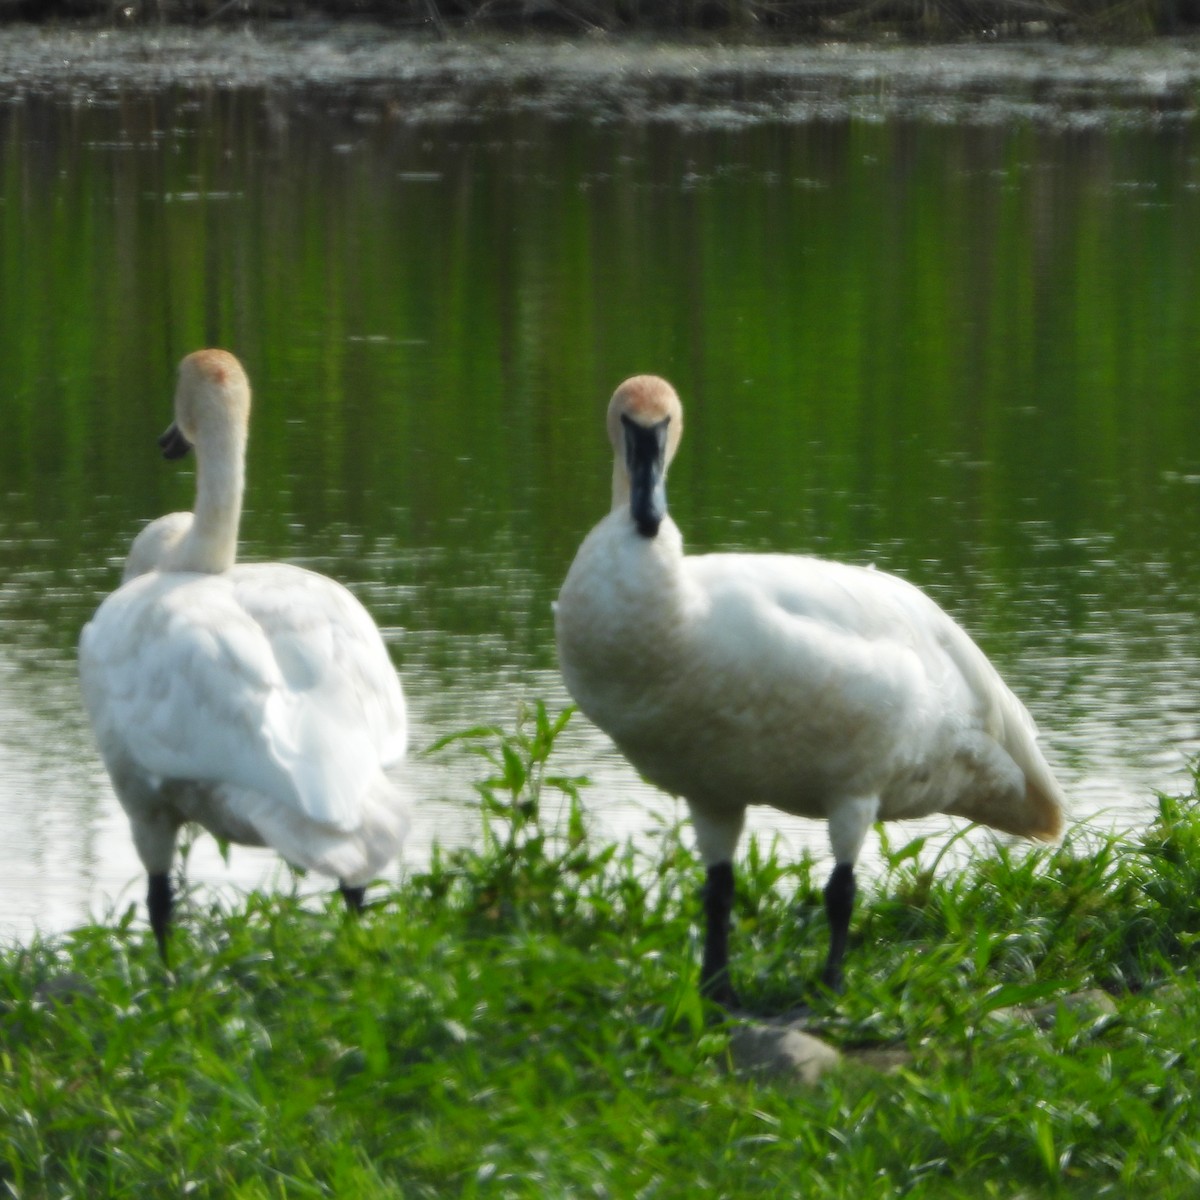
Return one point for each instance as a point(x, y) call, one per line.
point(212, 401)
point(645, 423)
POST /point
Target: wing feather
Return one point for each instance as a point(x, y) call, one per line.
point(265, 677)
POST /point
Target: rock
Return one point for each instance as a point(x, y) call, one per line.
point(63, 989)
point(1090, 1003)
point(780, 1052)
point(1093, 1003)
point(883, 1059)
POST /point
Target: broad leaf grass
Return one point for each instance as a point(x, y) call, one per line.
point(522, 1020)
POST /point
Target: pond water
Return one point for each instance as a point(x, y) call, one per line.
point(954, 342)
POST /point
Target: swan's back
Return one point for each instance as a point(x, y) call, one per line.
point(269, 688)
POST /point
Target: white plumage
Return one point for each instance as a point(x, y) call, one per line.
point(821, 689)
point(257, 700)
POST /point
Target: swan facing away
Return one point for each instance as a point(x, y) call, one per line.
point(257, 700)
point(818, 688)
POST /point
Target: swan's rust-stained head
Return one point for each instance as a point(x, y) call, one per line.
point(212, 398)
point(646, 400)
point(645, 423)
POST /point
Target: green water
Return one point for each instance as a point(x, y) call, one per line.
point(962, 352)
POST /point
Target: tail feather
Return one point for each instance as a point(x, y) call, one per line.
point(1046, 805)
point(1043, 813)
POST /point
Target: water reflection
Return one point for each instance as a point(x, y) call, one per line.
point(960, 352)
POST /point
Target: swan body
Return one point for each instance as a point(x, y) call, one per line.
point(257, 700)
point(818, 688)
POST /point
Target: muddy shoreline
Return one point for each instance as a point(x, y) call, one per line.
point(420, 78)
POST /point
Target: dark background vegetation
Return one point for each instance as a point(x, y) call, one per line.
point(741, 18)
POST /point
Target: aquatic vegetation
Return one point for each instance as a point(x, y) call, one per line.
point(522, 1019)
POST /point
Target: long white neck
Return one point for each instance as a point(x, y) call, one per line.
point(210, 545)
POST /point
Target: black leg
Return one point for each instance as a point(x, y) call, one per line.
point(354, 897)
point(839, 904)
point(718, 905)
point(158, 901)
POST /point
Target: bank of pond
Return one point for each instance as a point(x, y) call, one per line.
point(523, 1018)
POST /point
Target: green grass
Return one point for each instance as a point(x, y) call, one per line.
point(522, 1020)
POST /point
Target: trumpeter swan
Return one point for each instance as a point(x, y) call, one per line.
point(817, 688)
point(256, 700)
